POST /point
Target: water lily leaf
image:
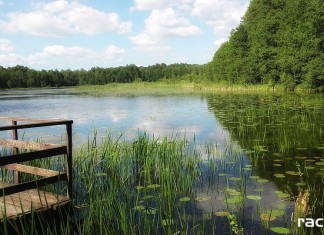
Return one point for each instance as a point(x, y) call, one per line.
point(258, 190)
point(301, 158)
point(235, 179)
point(234, 200)
point(101, 174)
point(309, 167)
point(247, 169)
point(283, 195)
point(153, 186)
point(254, 197)
point(222, 213)
point(267, 217)
point(279, 175)
point(139, 187)
point(202, 199)
point(248, 166)
point(221, 174)
point(254, 177)
point(276, 212)
point(300, 184)
point(292, 173)
point(233, 192)
point(277, 165)
point(319, 163)
point(280, 230)
point(184, 199)
point(262, 181)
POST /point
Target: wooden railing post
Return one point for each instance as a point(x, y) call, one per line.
point(69, 157)
point(15, 151)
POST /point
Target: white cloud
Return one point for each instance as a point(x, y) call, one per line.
point(6, 45)
point(148, 4)
point(74, 53)
point(160, 25)
point(219, 42)
point(161, 4)
point(222, 15)
point(62, 17)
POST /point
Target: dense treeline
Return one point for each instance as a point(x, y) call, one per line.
point(278, 41)
point(23, 77)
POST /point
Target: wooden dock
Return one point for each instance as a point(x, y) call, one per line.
point(21, 197)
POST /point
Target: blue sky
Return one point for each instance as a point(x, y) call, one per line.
point(63, 34)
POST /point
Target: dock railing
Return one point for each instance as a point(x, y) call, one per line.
point(38, 150)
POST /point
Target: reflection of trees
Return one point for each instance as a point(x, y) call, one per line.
point(279, 134)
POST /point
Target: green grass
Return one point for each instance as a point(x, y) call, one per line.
point(174, 88)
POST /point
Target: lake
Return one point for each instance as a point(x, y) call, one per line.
point(259, 153)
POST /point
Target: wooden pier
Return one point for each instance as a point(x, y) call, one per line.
point(21, 197)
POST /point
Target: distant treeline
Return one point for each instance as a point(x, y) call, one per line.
point(24, 77)
point(278, 41)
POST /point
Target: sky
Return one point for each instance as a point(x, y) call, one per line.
point(64, 34)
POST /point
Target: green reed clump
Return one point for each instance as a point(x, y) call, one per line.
point(123, 187)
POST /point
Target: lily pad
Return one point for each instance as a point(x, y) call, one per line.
point(280, 230)
point(234, 200)
point(101, 174)
point(254, 197)
point(276, 212)
point(262, 181)
point(184, 199)
point(258, 190)
point(222, 213)
point(309, 167)
point(292, 173)
point(301, 158)
point(202, 199)
point(235, 179)
point(221, 174)
point(319, 163)
point(233, 192)
point(267, 217)
point(283, 195)
point(277, 165)
point(300, 184)
point(153, 186)
point(139, 187)
point(279, 175)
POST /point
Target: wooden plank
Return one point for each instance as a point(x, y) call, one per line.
point(31, 170)
point(25, 202)
point(25, 126)
point(22, 157)
point(33, 120)
point(32, 184)
point(28, 144)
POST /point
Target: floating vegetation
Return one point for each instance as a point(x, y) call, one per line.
point(280, 230)
point(253, 197)
point(153, 186)
point(222, 213)
point(202, 199)
point(267, 217)
point(184, 199)
point(279, 175)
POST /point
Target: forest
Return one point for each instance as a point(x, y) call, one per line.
point(277, 42)
point(24, 77)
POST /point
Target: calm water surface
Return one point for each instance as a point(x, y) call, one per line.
point(272, 146)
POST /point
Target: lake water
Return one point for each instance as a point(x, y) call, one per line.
point(278, 139)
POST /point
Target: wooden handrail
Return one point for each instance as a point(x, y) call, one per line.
point(40, 150)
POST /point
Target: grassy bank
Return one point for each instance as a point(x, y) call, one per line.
point(174, 87)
